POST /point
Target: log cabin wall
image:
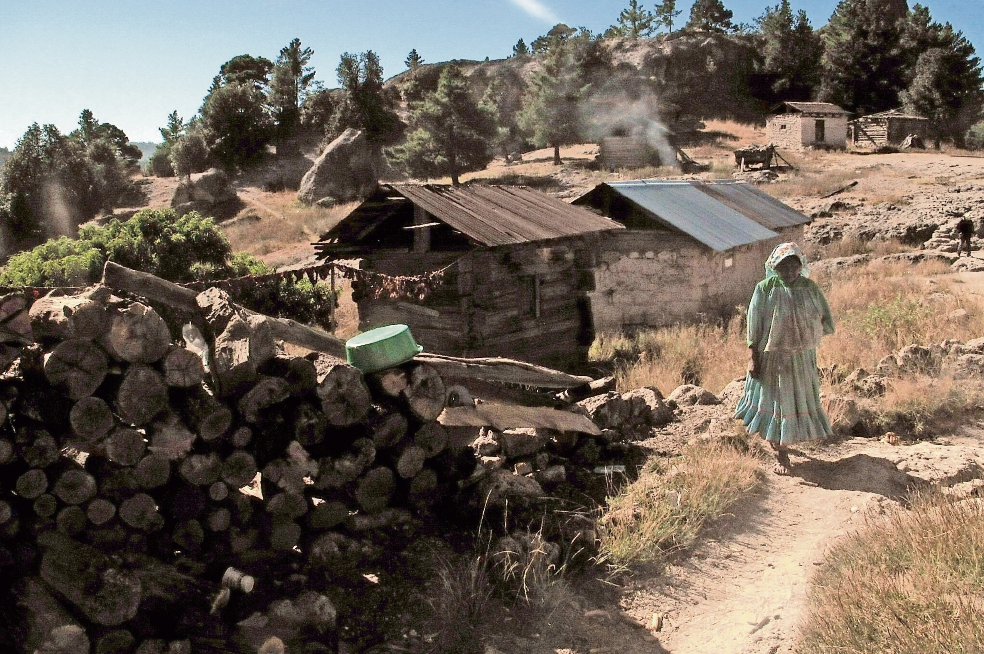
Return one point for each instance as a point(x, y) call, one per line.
point(655, 278)
point(529, 301)
point(524, 301)
point(436, 322)
point(875, 131)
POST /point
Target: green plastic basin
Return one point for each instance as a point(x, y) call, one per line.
point(381, 348)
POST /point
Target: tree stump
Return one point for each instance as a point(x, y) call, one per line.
point(76, 367)
point(142, 394)
point(137, 335)
point(375, 490)
point(91, 419)
point(182, 368)
point(344, 397)
point(425, 394)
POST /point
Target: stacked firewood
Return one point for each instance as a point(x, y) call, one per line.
point(140, 458)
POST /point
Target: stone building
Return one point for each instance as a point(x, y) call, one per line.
point(799, 125)
point(688, 249)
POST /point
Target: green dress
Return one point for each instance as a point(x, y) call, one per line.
point(785, 325)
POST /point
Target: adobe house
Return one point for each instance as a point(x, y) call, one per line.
point(799, 125)
point(514, 268)
point(887, 128)
point(688, 248)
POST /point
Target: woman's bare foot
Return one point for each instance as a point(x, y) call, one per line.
point(782, 465)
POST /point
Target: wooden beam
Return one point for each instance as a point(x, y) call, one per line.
point(502, 371)
point(509, 416)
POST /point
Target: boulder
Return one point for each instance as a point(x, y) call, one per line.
point(731, 394)
point(646, 406)
point(914, 359)
point(608, 411)
point(690, 395)
point(523, 441)
point(500, 486)
point(345, 170)
point(969, 366)
point(203, 192)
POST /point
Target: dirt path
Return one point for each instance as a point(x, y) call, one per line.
point(744, 588)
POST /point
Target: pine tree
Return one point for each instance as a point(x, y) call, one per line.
point(791, 50)
point(634, 21)
point(289, 85)
point(366, 106)
point(450, 134)
point(414, 60)
point(863, 68)
point(710, 16)
point(666, 13)
point(551, 104)
point(946, 79)
point(520, 49)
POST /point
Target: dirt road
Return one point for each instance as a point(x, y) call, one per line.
point(744, 589)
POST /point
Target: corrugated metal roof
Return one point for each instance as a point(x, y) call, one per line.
point(815, 107)
point(753, 203)
point(694, 212)
point(504, 215)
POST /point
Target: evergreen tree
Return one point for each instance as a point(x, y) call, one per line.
point(366, 105)
point(946, 84)
point(450, 133)
point(710, 16)
point(289, 86)
point(863, 68)
point(791, 50)
point(174, 129)
point(235, 124)
point(633, 22)
point(245, 69)
point(414, 60)
point(47, 186)
point(551, 105)
point(520, 49)
point(666, 13)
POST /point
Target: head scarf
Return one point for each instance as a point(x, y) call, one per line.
point(782, 251)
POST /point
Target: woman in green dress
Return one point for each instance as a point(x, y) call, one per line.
point(787, 317)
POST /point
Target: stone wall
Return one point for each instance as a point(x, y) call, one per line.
point(657, 278)
point(797, 131)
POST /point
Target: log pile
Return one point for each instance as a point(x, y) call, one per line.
point(129, 461)
point(161, 453)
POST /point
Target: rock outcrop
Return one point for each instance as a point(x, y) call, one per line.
point(204, 192)
point(345, 171)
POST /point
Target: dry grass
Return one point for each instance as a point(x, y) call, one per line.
point(882, 307)
point(702, 354)
point(906, 584)
point(280, 222)
point(851, 245)
point(665, 508)
point(923, 405)
point(460, 601)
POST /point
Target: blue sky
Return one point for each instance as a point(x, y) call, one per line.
point(132, 62)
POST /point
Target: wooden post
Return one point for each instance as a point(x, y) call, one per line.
point(421, 236)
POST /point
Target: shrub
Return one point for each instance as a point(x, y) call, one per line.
point(159, 163)
point(975, 137)
point(189, 154)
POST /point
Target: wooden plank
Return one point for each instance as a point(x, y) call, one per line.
point(501, 370)
point(509, 416)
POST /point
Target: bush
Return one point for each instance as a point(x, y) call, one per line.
point(975, 137)
point(159, 163)
point(189, 154)
point(179, 249)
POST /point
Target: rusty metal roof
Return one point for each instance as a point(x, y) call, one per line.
point(815, 108)
point(684, 206)
point(753, 203)
point(488, 215)
point(894, 113)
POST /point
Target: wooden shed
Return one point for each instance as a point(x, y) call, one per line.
point(689, 249)
point(799, 125)
point(474, 270)
point(887, 128)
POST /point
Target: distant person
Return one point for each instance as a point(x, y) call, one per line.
point(966, 230)
point(787, 317)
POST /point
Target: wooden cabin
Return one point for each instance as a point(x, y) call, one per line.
point(689, 249)
point(799, 125)
point(474, 270)
point(887, 128)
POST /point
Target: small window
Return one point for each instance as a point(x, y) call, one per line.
point(782, 127)
point(531, 295)
point(730, 261)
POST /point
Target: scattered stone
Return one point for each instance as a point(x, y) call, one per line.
point(522, 442)
point(690, 395)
